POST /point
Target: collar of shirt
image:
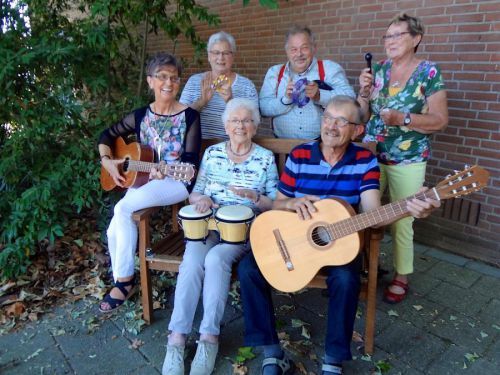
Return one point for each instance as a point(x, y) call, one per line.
point(317, 156)
point(311, 66)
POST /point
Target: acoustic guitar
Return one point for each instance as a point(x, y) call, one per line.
point(138, 164)
point(290, 251)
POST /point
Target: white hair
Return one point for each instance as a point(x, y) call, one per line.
point(221, 36)
point(242, 103)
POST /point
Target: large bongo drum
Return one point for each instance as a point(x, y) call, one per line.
point(194, 223)
point(233, 223)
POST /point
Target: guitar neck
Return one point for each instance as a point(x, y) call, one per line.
point(143, 166)
point(386, 213)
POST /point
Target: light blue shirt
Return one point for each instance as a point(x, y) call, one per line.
point(290, 121)
point(217, 173)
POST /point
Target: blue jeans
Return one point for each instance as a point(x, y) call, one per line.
point(260, 325)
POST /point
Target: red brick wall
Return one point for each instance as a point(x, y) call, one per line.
point(462, 36)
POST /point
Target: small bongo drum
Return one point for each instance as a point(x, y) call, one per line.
point(194, 223)
point(233, 223)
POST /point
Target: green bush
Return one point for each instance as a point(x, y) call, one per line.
point(65, 76)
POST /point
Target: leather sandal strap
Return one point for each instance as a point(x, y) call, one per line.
point(400, 284)
point(331, 368)
point(121, 285)
point(283, 364)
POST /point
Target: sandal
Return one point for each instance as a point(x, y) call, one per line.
point(331, 368)
point(393, 298)
point(115, 303)
point(286, 365)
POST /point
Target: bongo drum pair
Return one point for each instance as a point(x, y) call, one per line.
point(232, 223)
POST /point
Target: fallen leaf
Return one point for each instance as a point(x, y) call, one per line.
point(471, 357)
point(16, 309)
point(136, 344)
point(239, 369)
point(298, 323)
point(357, 337)
point(496, 326)
point(392, 313)
point(418, 307)
point(156, 305)
point(33, 355)
point(453, 317)
point(6, 287)
point(305, 332)
point(483, 334)
point(301, 368)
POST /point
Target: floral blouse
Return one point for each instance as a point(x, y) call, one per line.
point(217, 173)
point(398, 144)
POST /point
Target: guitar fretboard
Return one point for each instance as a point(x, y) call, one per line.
point(382, 214)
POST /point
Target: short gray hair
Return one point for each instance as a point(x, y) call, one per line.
point(242, 103)
point(221, 36)
point(162, 59)
point(340, 101)
point(415, 25)
point(297, 29)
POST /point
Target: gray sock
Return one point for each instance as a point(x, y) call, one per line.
point(272, 351)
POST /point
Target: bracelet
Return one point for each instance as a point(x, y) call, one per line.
point(257, 199)
point(363, 96)
point(105, 156)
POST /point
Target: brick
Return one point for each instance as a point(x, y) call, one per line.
point(461, 9)
point(476, 28)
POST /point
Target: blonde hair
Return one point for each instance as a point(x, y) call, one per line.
point(415, 26)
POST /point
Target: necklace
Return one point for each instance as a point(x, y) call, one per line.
point(228, 146)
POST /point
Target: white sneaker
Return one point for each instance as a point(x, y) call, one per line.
point(174, 361)
point(204, 359)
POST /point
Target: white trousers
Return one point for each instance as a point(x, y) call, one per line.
point(122, 231)
point(206, 265)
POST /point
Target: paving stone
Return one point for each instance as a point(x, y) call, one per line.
point(447, 257)
point(30, 351)
point(459, 299)
point(493, 353)
point(491, 313)
point(454, 274)
point(487, 286)
point(105, 351)
point(423, 262)
point(460, 329)
point(449, 363)
point(421, 283)
point(410, 344)
point(484, 269)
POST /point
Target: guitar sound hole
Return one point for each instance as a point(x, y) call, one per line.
point(125, 164)
point(320, 236)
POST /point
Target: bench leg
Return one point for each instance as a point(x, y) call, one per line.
point(371, 296)
point(146, 292)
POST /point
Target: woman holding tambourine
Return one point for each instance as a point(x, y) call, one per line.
point(236, 172)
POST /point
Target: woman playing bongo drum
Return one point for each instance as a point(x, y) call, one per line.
point(236, 172)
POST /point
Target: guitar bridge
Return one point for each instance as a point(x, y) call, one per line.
point(283, 250)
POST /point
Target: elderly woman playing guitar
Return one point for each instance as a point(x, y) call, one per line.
point(237, 174)
point(173, 131)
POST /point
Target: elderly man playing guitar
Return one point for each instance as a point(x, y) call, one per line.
point(333, 167)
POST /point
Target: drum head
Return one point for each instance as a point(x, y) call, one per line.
point(234, 213)
point(189, 212)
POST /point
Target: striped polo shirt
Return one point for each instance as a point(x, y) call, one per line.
point(211, 114)
point(307, 172)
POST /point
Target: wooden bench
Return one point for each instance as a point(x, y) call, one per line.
point(166, 254)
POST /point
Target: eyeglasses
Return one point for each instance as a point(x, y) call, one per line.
point(301, 50)
point(235, 121)
point(223, 53)
point(395, 36)
point(166, 77)
point(339, 122)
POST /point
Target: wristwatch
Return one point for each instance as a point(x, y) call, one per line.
point(407, 120)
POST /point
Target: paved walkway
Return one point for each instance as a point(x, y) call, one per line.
point(449, 325)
